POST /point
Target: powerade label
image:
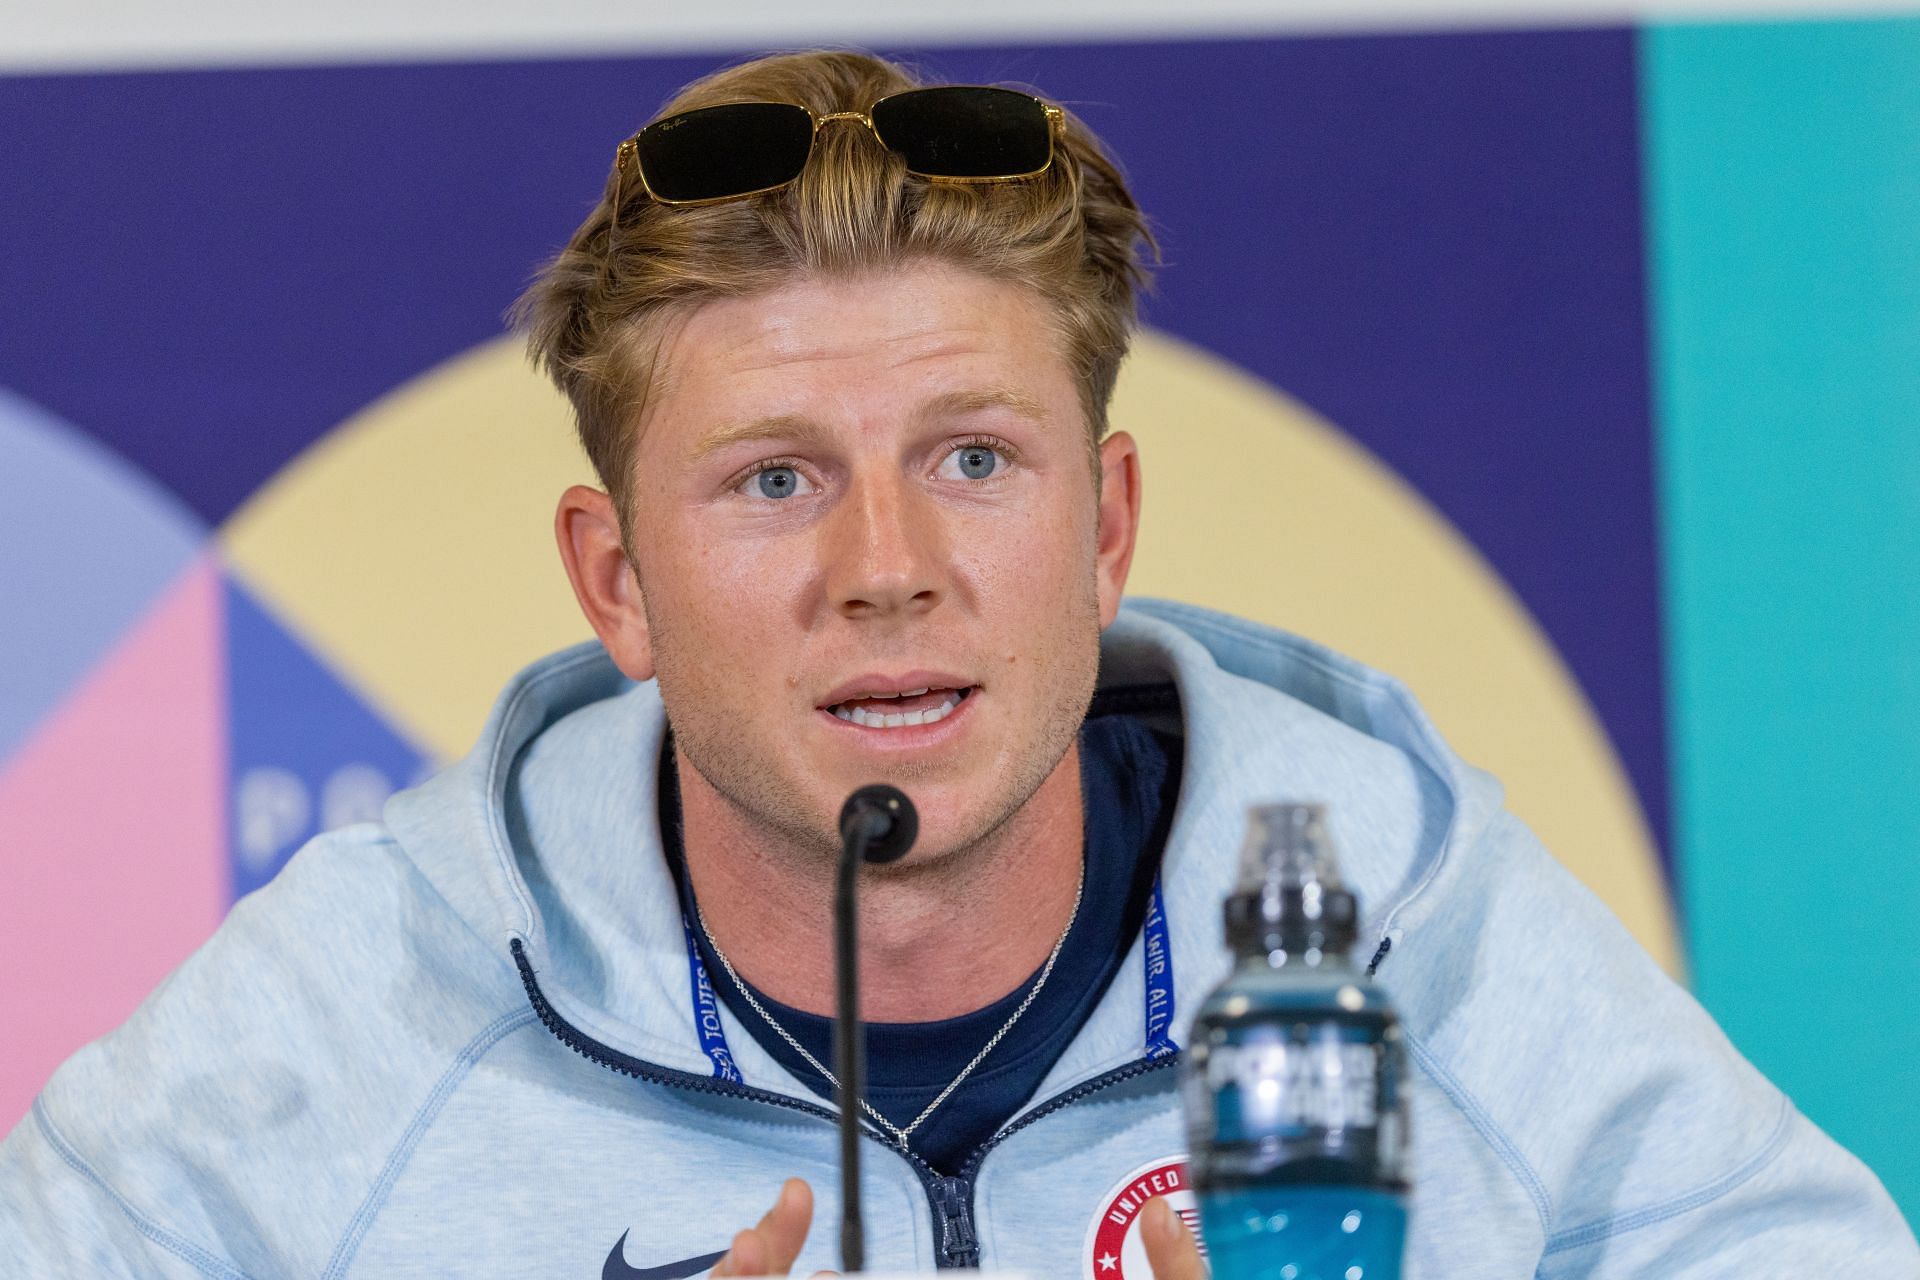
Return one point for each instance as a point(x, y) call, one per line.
point(1279, 1086)
point(1314, 1096)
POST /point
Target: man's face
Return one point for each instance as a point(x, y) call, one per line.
point(870, 548)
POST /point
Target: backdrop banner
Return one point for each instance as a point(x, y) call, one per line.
point(1568, 374)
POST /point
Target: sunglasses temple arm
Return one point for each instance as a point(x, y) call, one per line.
point(628, 151)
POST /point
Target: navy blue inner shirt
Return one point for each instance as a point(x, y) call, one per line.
point(1129, 778)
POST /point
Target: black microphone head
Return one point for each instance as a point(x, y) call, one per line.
point(889, 818)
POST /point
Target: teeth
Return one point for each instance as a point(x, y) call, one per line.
point(904, 693)
point(897, 719)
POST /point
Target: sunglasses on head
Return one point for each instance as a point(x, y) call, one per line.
point(950, 133)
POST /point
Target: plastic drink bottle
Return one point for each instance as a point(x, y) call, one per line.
point(1295, 1077)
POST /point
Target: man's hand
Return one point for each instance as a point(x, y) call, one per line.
point(769, 1247)
point(1171, 1249)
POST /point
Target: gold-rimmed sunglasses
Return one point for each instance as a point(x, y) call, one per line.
point(949, 133)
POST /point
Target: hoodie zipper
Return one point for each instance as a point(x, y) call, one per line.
point(954, 1205)
point(953, 1214)
point(958, 1244)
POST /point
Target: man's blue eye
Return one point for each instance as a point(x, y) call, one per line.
point(778, 482)
point(977, 462)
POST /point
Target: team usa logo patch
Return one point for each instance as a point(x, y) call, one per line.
point(1114, 1248)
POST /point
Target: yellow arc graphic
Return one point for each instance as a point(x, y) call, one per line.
point(412, 549)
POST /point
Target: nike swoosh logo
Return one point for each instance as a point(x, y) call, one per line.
point(617, 1268)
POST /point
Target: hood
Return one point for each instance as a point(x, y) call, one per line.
point(547, 832)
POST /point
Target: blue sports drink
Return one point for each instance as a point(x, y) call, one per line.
point(1294, 1081)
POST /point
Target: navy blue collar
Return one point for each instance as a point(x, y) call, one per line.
point(1129, 780)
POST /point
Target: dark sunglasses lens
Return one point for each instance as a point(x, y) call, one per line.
point(725, 151)
point(966, 132)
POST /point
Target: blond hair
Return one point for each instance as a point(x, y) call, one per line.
point(593, 316)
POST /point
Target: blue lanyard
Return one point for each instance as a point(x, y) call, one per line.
point(1156, 959)
point(1157, 955)
point(706, 1013)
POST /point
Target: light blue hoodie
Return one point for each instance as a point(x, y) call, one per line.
point(467, 1043)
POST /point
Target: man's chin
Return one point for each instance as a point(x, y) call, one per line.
point(957, 815)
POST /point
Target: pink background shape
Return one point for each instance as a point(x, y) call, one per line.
point(112, 816)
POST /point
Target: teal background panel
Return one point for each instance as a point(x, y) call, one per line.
point(1783, 189)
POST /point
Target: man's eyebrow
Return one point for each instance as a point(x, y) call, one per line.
point(956, 403)
point(783, 426)
point(804, 432)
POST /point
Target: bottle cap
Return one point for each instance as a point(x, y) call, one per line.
point(1290, 897)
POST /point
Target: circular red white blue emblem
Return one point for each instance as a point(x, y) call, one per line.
point(1114, 1248)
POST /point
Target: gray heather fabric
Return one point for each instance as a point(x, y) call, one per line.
point(349, 1078)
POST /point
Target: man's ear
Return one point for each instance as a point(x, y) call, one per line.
point(588, 530)
point(1119, 519)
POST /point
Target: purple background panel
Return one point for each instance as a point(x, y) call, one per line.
point(1433, 240)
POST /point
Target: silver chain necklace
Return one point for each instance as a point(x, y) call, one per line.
point(899, 1134)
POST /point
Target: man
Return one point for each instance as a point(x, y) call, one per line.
point(844, 376)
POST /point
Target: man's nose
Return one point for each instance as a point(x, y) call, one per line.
point(885, 549)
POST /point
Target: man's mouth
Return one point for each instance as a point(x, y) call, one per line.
point(899, 710)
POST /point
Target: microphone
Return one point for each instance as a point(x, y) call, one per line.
point(878, 825)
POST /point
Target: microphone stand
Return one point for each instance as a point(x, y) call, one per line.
point(877, 824)
point(849, 1047)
